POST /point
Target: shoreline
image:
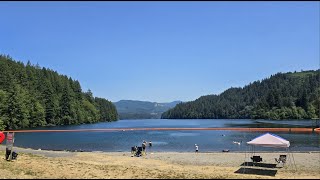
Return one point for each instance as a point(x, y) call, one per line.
point(236, 151)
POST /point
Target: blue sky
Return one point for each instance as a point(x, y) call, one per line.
point(162, 51)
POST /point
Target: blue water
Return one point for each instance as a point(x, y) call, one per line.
point(180, 141)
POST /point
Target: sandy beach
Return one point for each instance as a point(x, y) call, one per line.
point(115, 165)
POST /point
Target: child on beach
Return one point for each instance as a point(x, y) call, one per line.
point(197, 148)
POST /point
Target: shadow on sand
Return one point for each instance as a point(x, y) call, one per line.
point(265, 165)
point(256, 171)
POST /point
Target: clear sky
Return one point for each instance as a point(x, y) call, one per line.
point(162, 51)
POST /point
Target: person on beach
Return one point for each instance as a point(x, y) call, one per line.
point(150, 143)
point(197, 148)
point(144, 144)
point(134, 150)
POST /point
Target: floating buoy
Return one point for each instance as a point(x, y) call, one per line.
point(298, 130)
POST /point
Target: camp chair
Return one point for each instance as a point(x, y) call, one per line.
point(256, 159)
point(282, 159)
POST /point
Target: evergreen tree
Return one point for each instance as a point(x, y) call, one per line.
point(37, 114)
point(17, 115)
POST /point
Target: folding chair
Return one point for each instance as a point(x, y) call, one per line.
point(256, 159)
point(282, 159)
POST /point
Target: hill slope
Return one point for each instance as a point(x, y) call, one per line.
point(282, 96)
point(131, 109)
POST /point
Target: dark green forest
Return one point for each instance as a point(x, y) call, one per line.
point(31, 96)
point(282, 96)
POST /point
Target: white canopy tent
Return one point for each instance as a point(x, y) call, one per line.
point(270, 140)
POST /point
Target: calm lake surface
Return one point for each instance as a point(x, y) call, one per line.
point(180, 141)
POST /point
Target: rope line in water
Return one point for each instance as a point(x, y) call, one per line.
point(310, 130)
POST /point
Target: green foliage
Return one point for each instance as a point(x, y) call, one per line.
point(16, 111)
point(37, 114)
point(2, 126)
point(31, 96)
point(3, 107)
point(282, 96)
point(90, 111)
point(106, 108)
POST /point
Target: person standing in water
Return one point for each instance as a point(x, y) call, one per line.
point(144, 144)
point(150, 143)
point(197, 148)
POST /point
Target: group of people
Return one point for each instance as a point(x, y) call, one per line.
point(144, 145)
point(138, 151)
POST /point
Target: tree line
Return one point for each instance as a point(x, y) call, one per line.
point(282, 96)
point(31, 96)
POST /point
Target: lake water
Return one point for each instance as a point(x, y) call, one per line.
point(180, 141)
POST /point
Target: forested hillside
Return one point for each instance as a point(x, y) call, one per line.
point(32, 96)
point(282, 96)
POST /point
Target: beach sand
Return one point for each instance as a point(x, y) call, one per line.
point(173, 165)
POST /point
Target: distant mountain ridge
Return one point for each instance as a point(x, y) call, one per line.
point(134, 109)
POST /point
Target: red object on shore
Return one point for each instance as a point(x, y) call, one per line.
point(2, 137)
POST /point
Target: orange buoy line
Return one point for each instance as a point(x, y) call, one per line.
point(174, 129)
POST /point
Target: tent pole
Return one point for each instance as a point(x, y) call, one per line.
point(245, 156)
point(289, 158)
point(245, 162)
point(252, 150)
point(294, 162)
point(288, 155)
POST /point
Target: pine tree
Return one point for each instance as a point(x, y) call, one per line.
point(37, 114)
point(16, 111)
